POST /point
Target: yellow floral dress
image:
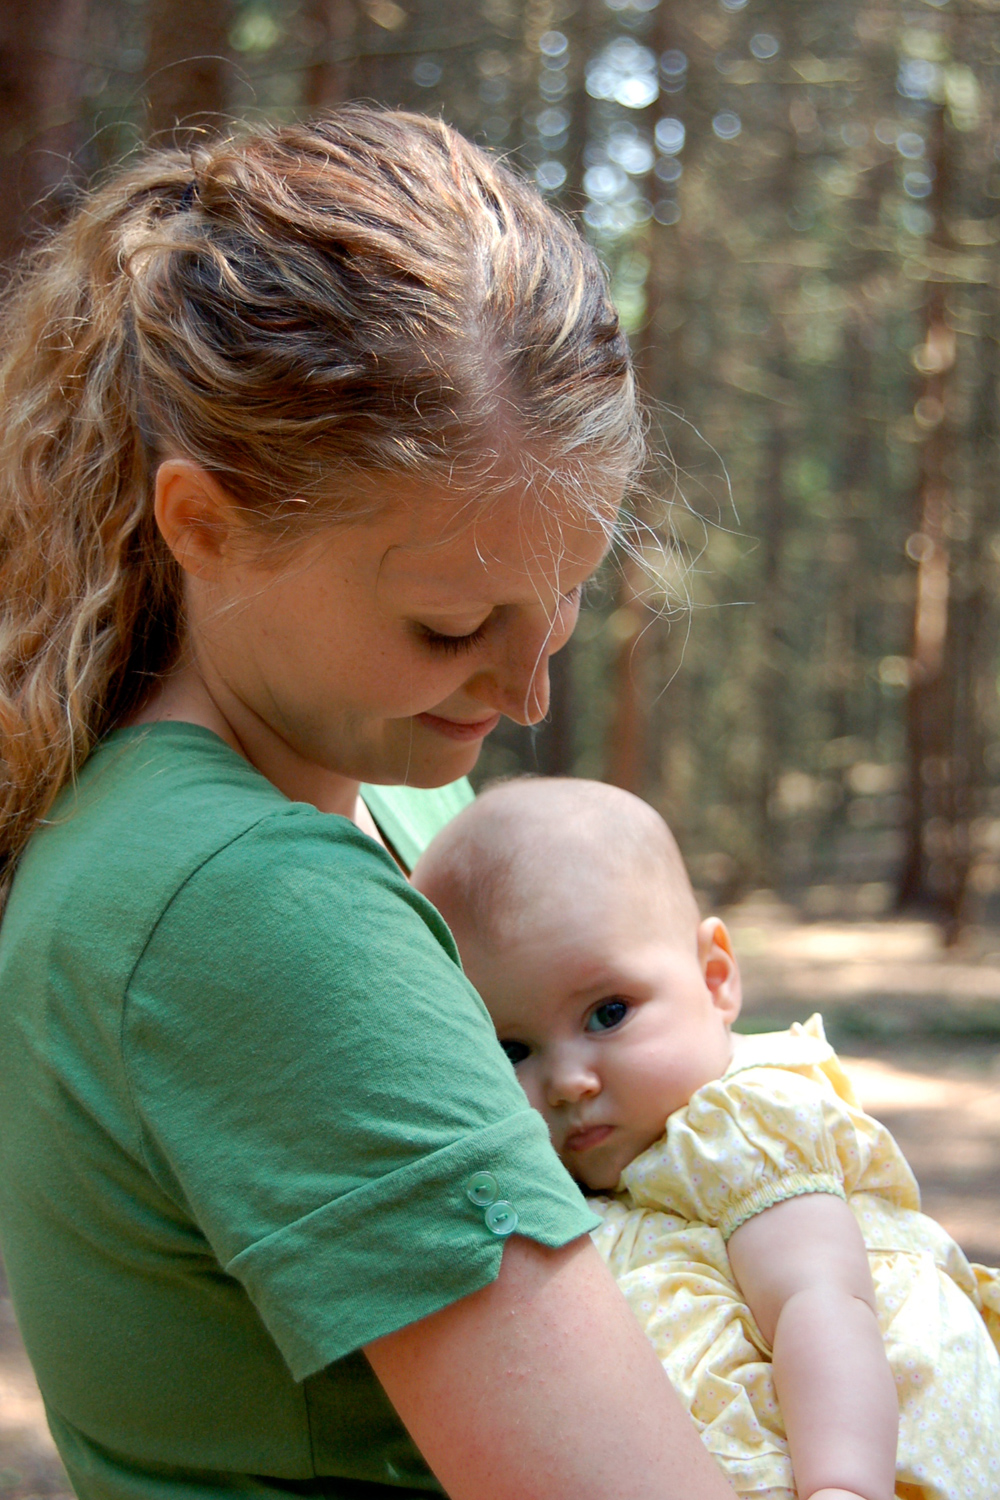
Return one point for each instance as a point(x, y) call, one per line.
point(784, 1120)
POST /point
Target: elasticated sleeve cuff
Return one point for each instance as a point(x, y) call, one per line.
point(409, 1243)
point(768, 1194)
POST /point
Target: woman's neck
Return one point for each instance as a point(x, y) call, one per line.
point(184, 697)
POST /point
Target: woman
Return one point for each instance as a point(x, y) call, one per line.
point(310, 445)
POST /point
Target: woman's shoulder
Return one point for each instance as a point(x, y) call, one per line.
point(171, 784)
point(160, 798)
point(165, 807)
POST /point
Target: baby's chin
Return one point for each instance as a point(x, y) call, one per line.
point(599, 1169)
point(593, 1177)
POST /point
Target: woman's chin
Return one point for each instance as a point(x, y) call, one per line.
point(428, 765)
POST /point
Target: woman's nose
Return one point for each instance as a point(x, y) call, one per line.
point(517, 682)
point(522, 695)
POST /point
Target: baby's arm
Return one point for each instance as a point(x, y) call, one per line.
point(803, 1270)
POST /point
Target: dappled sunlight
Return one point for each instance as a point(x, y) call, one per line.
point(829, 942)
point(877, 965)
point(883, 1087)
point(918, 1028)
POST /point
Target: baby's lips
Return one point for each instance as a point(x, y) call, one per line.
point(587, 1138)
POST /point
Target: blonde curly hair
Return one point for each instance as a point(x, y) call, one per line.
point(299, 310)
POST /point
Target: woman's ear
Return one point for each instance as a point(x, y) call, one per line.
point(196, 517)
point(719, 967)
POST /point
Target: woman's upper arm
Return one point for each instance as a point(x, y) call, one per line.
point(318, 1087)
point(812, 1241)
point(542, 1386)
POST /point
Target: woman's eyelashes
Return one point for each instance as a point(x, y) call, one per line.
point(452, 645)
point(607, 1015)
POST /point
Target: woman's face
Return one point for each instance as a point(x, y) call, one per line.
point(386, 650)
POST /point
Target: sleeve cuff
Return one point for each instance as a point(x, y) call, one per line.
point(766, 1194)
point(409, 1243)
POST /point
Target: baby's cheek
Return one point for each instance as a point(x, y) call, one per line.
point(528, 1078)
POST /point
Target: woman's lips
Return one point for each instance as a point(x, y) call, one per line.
point(585, 1140)
point(457, 729)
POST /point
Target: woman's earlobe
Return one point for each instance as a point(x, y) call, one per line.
point(194, 516)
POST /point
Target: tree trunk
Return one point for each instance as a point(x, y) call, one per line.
point(329, 77)
point(556, 744)
point(626, 752)
point(187, 69)
point(634, 621)
point(932, 879)
point(770, 684)
point(41, 48)
point(555, 748)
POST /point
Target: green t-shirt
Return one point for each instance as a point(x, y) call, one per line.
point(244, 1088)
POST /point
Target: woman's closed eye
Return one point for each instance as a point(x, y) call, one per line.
point(516, 1051)
point(607, 1015)
point(452, 645)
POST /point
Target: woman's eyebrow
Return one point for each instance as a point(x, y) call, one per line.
point(474, 609)
point(440, 594)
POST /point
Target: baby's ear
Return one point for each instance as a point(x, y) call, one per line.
point(719, 967)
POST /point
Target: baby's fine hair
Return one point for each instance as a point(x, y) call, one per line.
point(533, 838)
point(306, 311)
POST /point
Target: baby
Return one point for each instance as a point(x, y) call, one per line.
point(764, 1229)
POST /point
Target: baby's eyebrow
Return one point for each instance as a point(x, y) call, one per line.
point(604, 986)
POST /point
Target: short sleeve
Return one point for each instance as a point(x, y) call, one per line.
point(318, 1087)
point(749, 1141)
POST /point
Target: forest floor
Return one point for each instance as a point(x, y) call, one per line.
point(918, 1027)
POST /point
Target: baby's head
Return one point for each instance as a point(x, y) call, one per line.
point(576, 922)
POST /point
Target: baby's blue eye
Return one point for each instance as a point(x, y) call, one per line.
point(607, 1015)
point(516, 1051)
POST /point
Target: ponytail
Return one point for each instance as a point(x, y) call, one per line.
point(90, 594)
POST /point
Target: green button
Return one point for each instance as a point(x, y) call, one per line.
point(482, 1189)
point(501, 1218)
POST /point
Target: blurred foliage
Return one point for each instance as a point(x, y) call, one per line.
point(799, 209)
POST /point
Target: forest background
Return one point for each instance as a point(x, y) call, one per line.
point(799, 208)
point(794, 654)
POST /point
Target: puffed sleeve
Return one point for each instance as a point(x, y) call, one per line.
point(755, 1138)
point(320, 1089)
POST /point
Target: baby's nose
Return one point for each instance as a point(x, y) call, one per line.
point(569, 1081)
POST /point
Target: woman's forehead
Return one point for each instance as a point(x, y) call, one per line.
point(516, 549)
